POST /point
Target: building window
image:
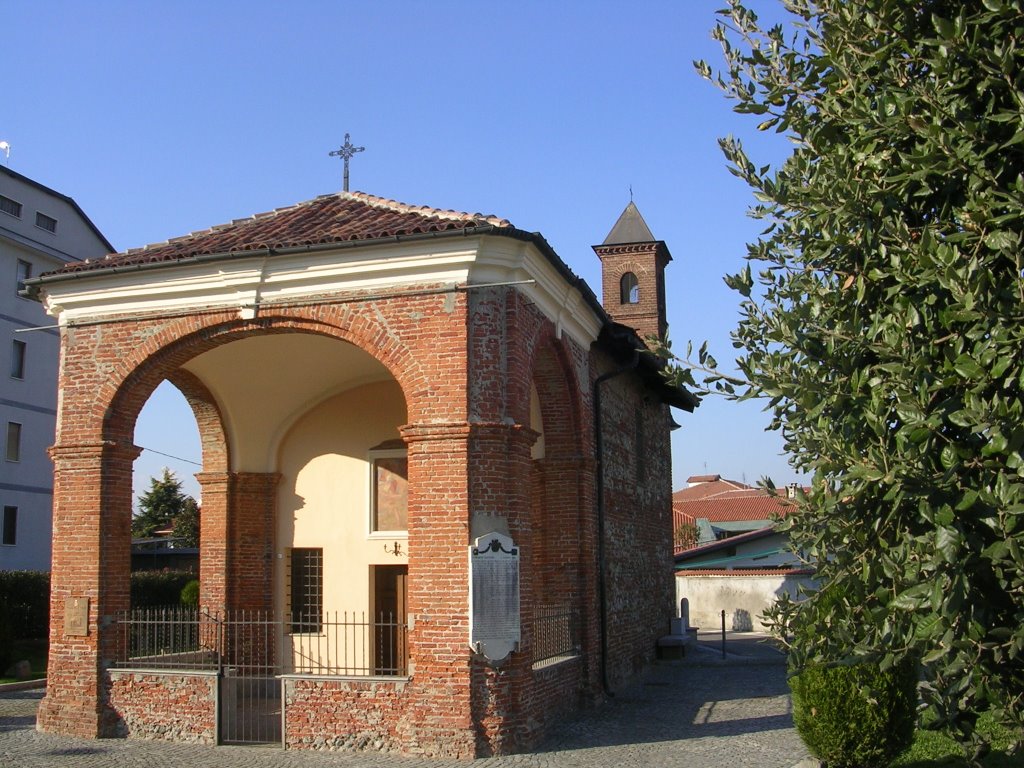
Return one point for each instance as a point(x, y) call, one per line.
point(389, 490)
point(10, 526)
point(46, 222)
point(13, 441)
point(18, 349)
point(306, 589)
point(12, 207)
point(629, 289)
point(23, 274)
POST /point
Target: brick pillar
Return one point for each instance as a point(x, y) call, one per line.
point(501, 470)
point(250, 541)
point(438, 589)
point(92, 493)
point(568, 552)
point(213, 540)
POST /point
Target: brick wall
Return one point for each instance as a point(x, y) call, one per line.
point(176, 707)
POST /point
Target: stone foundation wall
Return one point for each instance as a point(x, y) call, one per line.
point(172, 707)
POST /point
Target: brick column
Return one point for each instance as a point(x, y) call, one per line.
point(90, 578)
point(501, 470)
point(250, 541)
point(213, 540)
point(438, 589)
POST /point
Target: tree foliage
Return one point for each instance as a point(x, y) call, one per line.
point(164, 506)
point(883, 323)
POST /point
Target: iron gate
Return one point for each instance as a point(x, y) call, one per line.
point(249, 695)
point(249, 650)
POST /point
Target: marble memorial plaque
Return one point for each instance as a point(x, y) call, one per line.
point(494, 596)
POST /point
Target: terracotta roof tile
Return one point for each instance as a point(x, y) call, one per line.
point(778, 571)
point(341, 217)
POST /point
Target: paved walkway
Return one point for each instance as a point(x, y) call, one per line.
point(702, 712)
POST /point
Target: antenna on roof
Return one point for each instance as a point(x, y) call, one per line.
point(345, 152)
point(5, 147)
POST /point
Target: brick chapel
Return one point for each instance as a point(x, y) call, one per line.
point(436, 482)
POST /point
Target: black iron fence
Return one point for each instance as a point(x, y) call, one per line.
point(555, 633)
point(254, 642)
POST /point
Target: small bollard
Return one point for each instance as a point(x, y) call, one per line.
point(723, 633)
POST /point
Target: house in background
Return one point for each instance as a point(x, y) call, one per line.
point(40, 231)
point(436, 480)
point(731, 557)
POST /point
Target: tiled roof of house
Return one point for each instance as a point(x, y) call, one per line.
point(336, 218)
point(730, 507)
point(782, 570)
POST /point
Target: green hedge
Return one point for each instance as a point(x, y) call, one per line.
point(152, 589)
point(25, 599)
point(25, 604)
point(856, 716)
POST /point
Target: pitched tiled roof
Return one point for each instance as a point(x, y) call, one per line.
point(782, 570)
point(719, 509)
point(336, 218)
point(710, 485)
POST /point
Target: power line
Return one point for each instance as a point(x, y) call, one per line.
point(171, 456)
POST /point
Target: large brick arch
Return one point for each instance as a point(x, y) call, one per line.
point(142, 367)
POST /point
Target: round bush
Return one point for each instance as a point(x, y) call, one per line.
point(856, 716)
point(190, 594)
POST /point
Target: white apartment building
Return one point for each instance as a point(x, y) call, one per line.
point(40, 230)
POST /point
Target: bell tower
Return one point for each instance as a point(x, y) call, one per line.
point(633, 275)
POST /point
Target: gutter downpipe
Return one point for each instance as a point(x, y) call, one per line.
point(599, 456)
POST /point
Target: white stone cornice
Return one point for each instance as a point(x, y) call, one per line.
point(245, 282)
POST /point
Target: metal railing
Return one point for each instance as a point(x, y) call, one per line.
point(555, 633)
point(254, 642)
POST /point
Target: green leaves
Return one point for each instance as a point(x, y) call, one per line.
point(883, 325)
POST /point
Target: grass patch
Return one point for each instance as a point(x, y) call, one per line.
point(36, 653)
point(936, 749)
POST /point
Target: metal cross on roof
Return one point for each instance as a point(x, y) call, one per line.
point(345, 152)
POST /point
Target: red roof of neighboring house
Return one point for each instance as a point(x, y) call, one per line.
point(780, 571)
point(721, 501)
point(341, 217)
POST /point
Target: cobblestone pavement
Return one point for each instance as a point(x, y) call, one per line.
point(693, 716)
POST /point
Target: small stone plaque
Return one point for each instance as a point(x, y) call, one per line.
point(76, 616)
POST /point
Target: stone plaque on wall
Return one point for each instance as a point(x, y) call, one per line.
point(76, 616)
point(494, 630)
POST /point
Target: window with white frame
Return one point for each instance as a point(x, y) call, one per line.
point(389, 488)
point(13, 441)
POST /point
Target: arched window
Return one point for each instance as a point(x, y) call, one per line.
point(629, 289)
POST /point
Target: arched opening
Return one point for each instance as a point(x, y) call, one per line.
point(629, 289)
point(168, 434)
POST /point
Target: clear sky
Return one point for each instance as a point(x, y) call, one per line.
point(161, 118)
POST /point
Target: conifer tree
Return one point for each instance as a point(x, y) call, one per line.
point(162, 505)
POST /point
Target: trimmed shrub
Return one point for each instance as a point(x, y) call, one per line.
point(156, 589)
point(856, 716)
point(190, 594)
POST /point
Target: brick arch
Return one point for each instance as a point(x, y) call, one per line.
point(559, 391)
point(165, 351)
point(212, 436)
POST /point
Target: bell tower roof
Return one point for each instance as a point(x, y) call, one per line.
point(630, 228)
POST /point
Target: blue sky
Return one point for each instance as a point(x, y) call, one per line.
point(161, 118)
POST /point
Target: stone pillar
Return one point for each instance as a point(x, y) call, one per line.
point(90, 582)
